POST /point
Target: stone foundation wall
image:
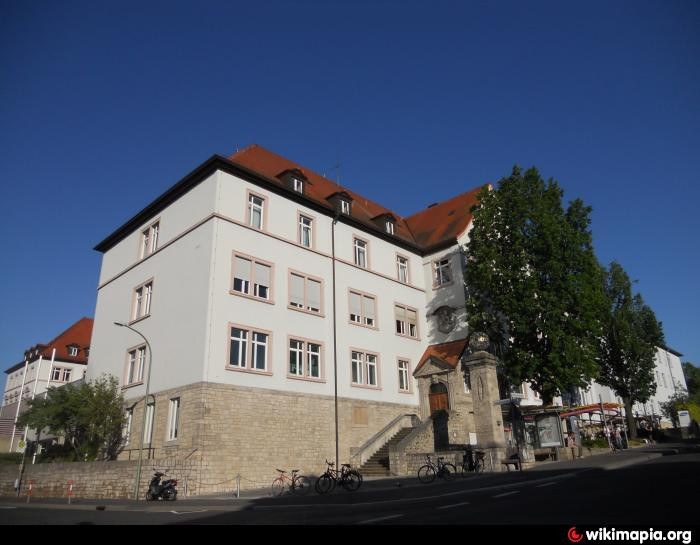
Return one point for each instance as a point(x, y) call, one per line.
point(98, 480)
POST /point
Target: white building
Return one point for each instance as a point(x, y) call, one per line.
point(260, 286)
point(61, 361)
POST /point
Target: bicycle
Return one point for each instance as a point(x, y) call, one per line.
point(347, 478)
point(473, 462)
point(428, 472)
point(298, 484)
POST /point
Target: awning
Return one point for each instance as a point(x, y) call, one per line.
point(595, 408)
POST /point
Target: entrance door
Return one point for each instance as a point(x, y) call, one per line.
point(438, 398)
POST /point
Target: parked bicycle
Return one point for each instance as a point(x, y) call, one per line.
point(347, 478)
point(473, 461)
point(298, 484)
point(428, 472)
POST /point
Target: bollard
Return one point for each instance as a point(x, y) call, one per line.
point(70, 491)
point(29, 492)
point(238, 486)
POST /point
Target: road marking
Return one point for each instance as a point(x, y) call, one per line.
point(543, 485)
point(419, 498)
point(186, 512)
point(8, 508)
point(506, 494)
point(370, 521)
point(452, 505)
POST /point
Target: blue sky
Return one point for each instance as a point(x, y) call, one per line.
point(103, 106)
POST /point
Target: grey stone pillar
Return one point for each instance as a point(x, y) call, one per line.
point(488, 419)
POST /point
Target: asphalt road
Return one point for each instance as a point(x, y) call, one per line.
point(662, 492)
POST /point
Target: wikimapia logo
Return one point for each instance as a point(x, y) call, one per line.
point(639, 536)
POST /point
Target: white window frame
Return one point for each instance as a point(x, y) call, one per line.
point(73, 351)
point(308, 228)
point(173, 418)
point(364, 364)
point(390, 227)
point(303, 353)
point(306, 304)
point(142, 299)
point(126, 430)
point(149, 239)
point(402, 266)
point(251, 287)
point(344, 206)
point(298, 185)
point(147, 428)
point(442, 272)
point(67, 373)
point(361, 252)
point(404, 375)
point(250, 341)
point(135, 365)
point(363, 319)
point(254, 206)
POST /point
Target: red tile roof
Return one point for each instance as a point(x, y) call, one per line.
point(430, 227)
point(449, 353)
point(78, 334)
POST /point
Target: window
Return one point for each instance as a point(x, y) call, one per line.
point(249, 349)
point(402, 269)
point(406, 321)
point(252, 277)
point(362, 309)
point(136, 362)
point(173, 418)
point(298, 185)
point(66, 375)
point(403, 376)
point(305, 293)
point(142, 301)
point(442, 272)
point(304, 359)
point(148, 428)
point(305, 231)
point(56, 374)
point(73, 351)
point(360, 253)
point(365, 369)
point(344, 206)
point(149, 240)
point(126, 430)
point(256, 211)
point(390, 227)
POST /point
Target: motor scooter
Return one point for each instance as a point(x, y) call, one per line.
point(164, 490)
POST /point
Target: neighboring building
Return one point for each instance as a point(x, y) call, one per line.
point(69, 350)
point(247, 289)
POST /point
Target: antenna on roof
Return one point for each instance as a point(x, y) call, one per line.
point(336, 167)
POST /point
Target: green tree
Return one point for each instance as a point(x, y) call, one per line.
point(631, 334)
point(534, 284)
point(692, 380)
point(89, 415)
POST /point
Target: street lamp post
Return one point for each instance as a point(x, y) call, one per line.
point(145, 405)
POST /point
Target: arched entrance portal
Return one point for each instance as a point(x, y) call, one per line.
point(439, 400)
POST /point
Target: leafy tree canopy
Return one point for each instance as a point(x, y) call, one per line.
point(534, 284)
point(89, 415)
point(692, 380)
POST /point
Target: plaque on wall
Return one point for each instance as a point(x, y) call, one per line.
point(446, 319)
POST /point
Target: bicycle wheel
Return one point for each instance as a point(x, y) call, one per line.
point(324, 484)
point(479, 466)
point(301, 485)
point(448, 471)
point(426, 474)
point(278, 486)
point(358, 475)
point(351, 481)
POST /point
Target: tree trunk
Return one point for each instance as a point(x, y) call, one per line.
point(631, 421)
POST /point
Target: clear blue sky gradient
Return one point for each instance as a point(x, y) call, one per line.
point(103, 106)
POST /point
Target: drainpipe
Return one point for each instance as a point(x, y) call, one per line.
point(335, 342)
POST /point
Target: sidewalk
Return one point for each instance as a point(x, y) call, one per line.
point(229, 501)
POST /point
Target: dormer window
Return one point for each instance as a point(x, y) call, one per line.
point(344, 207)
point(298, 185)
point(342, 202)
point(73, 351)
point(389, 227)
point(293, 179)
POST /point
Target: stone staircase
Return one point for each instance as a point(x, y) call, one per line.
point(378, 464)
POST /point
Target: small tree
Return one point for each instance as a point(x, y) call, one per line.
point(692, 380)
point(628, 346)
point(534, 283)
point(89, 415)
